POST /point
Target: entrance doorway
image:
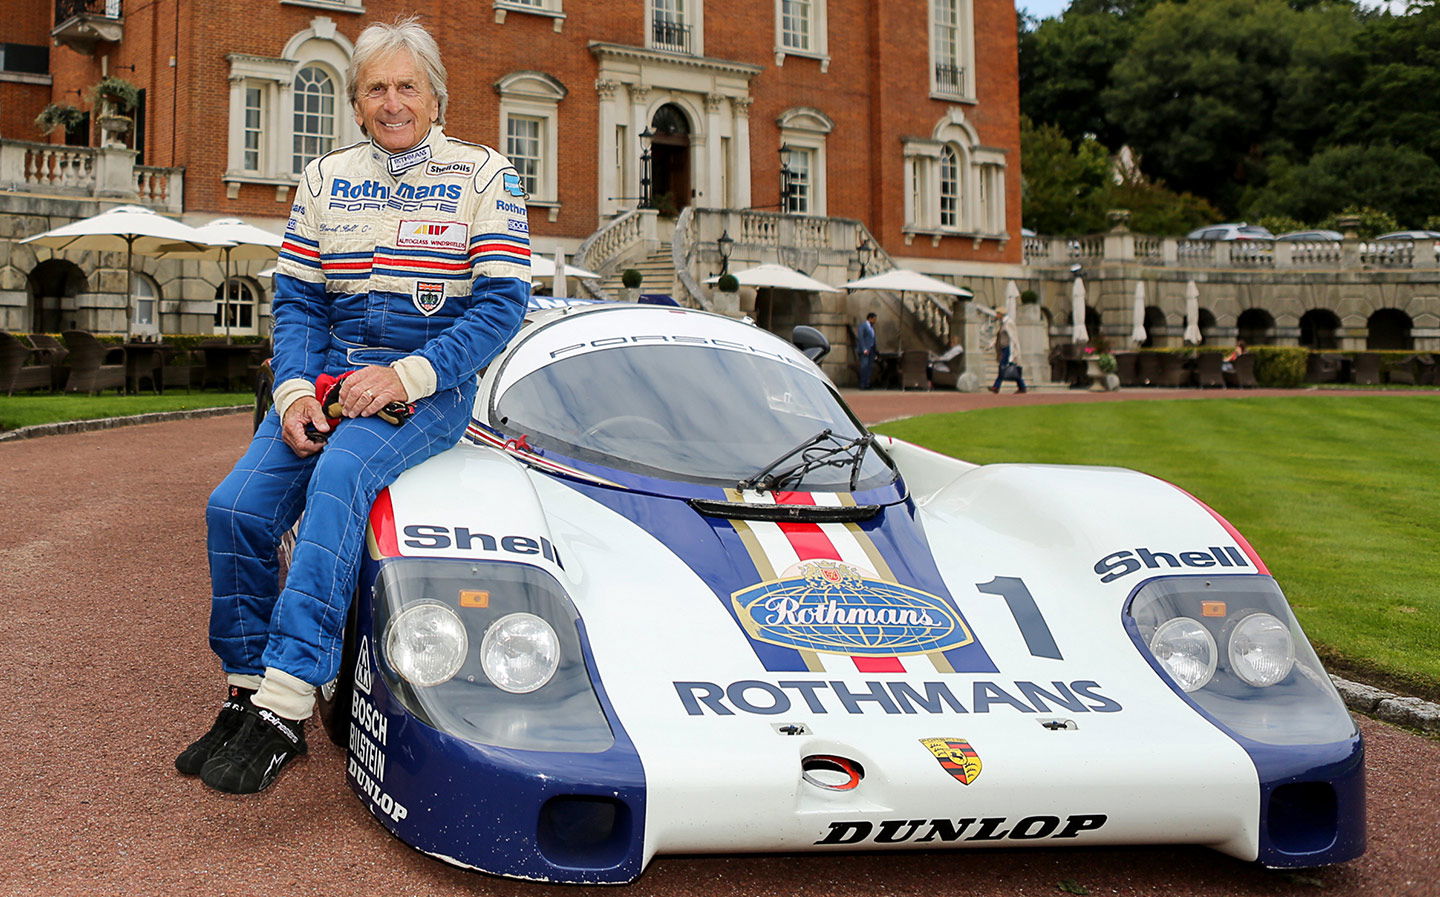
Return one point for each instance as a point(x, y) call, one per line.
point(50, 284)
point(670, 159)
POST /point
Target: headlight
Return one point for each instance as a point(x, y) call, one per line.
point(426, 643)
point(1262, 651)
point(520, 652)
point(1186, 650)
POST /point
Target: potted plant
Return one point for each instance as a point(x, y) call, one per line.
point(630, 279)
point(727, 298)
point(1101, 366)
point(118, 94)
point(58, 115)
point(1029, 297)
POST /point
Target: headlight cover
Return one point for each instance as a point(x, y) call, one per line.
point(426, 643)
point(1265, 684)
point(1186, 650)
point(1262, 651)
point(539, 699)
point(520, 653)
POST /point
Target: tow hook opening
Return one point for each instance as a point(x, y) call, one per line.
point(831, 773)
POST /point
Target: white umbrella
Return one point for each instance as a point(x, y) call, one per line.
point(1078, 333)
point(778, 276)
point(559, 288)
point(1137, 327)
point(540, 266)
point(1192, 314)
point(268, 272)
point(136, 229)
point(905, 281)
point(250, 244)
point(1012, 310)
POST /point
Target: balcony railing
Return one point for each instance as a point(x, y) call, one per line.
point(81, 24)
point(668, 35)
point(42, 169)
point(949, 78)
point(1127, 247)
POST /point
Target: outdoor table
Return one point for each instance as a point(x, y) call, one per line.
point(227, 364)
point(144, 361)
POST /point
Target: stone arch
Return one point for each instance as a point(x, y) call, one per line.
point(1389, 328)
point(1320, 329)
point(52, 287)
point(1208, 325)
point(1255, 327)
point(1157, 327)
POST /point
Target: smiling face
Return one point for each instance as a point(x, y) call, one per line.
point(394, 102)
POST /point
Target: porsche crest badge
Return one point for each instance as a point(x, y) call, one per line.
point(956, 757)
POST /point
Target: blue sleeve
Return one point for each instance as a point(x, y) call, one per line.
point(300, 310)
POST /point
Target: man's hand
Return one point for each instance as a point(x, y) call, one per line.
point(369, 389)
point(304, 410)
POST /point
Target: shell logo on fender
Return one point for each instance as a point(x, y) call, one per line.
point(956, 757)
point(836, 608)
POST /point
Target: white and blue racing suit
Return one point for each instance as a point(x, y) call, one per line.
point(419, 260)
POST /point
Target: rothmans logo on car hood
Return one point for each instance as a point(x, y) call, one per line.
point(836, 608)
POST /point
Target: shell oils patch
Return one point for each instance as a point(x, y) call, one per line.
point(956, 757)
point(429, 296)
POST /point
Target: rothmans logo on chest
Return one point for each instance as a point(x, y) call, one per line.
point(451, 235)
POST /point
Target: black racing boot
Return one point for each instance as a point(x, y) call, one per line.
point(254, 757)
point(232, 714)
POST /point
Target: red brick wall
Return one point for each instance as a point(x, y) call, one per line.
point(876, 90)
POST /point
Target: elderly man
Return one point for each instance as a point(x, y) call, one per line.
point(406, 267)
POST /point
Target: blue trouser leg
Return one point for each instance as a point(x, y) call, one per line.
point(300, 631)
point(866, 362)
point(1000, 374)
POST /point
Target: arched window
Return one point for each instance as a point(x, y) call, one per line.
point(949, 187)
point(529, 133)
point(144, 305)
point(1155, 327)
point(235, 307)
point(313, 99)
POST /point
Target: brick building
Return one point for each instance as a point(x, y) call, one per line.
point(824, 134)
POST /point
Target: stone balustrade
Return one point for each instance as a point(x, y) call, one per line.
point(79, 171)
point(1125, 247)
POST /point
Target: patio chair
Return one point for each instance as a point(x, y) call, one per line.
point(179, 369)
point(1147, 368)
point(1367, 368)
point(49, 350)
point(1208, 374)
point(1402, 371)
point(1425, 369)
point(94, 367)
point(1127, 368)
point(1324, 367)
point(1243, 374)
point(15, 370)
point(914, 369)
point(1173, 372)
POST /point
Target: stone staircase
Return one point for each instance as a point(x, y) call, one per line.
point(658, 270)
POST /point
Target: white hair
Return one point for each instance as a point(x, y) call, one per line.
point(406, 34)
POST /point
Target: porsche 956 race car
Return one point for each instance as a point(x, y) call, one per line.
point(670, 596)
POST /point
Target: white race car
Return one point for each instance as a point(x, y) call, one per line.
point(669, 596)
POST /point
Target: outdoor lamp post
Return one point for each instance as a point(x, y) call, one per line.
point(645, 138)
point(866, 253)
point(725, 245)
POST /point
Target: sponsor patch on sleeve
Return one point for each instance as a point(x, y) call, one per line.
point(444, 235)
point(512, 184)
point(516, 226)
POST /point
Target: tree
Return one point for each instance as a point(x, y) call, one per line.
point(1061, 183)
point(1401, 59)
point(1398, 180)
point(1065, 64)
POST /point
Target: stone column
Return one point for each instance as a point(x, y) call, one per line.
point(639, 121)
point(714, 179)
point(740, 107)
point(609, 180)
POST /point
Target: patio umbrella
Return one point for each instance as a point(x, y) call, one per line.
point(559, 288)
point(901, 280)
point(540, 266)
point(1078, 333)
point(136, 229)
point(1012, 310)
point(1137, 328)
point(778, 276)
point(250, 243)
point(1192, 314)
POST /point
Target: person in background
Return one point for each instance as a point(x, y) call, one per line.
point(1002, 344)
point(1228, 365)
point(865, 345)
point(405, 268)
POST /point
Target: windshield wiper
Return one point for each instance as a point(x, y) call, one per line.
point(815, 456)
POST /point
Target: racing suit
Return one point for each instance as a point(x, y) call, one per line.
point(419, 260)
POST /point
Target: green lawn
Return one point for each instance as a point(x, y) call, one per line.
point(1340, 495)
point(25, 410)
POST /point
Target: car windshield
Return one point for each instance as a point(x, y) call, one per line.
point(713, 404)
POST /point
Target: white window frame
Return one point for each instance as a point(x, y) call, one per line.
point(691, 14)
point(551, 9)
point(818, 21)
point(806, 129)
point(537, 96)
point(326, 139)
point(233, 305)
point(980, 182)
point(958, 53)
point(144, 289)
point(256, 130)
point(320, 45)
